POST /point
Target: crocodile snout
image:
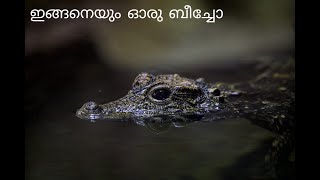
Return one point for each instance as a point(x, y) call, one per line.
point(90, 110)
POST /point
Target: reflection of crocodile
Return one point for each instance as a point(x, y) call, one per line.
point(267, 101)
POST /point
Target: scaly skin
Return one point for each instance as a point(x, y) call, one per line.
point(268, 101)
point(177, 96)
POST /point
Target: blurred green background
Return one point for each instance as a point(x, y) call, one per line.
point(249, 29)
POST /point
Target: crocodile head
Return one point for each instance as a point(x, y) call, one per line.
point(152, 96)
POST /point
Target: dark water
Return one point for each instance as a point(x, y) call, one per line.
point(61, 146)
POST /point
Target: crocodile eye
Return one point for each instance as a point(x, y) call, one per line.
point(216, 92)
point(160, 94)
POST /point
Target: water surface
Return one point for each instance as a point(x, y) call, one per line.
point(61, 146)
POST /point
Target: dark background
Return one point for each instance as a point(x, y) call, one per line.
point(70, 62)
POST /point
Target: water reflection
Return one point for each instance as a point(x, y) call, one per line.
point(161, 124)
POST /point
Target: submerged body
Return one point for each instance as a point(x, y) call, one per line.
point(268, 101)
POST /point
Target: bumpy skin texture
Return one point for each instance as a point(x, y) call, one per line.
point(158, 95)
point(268, 101)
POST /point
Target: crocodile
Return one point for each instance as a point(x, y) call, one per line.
point(267, 100)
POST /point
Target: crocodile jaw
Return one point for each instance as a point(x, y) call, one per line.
point(113, 110)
